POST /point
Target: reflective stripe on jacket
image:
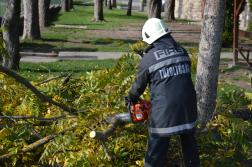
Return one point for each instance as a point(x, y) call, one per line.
point(166, 68)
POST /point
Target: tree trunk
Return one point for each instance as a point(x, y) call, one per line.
point(105, 3)
point(109, 7)
point(98, 11)
point(44, 13)
point(154, 9)
point(31, 20)
point(64, 6)
point(208, 59)
point(169, 10)
point(11, 36)
point(70, 2)
point(129, 8)
point(113, 3)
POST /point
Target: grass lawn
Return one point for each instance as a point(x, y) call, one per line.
point(31, 71)
point(83, 15)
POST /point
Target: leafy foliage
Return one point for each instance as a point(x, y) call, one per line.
point(3, 44)
point(227, 141)
point(194, 59)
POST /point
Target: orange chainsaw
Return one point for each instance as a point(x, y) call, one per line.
point(137, 112)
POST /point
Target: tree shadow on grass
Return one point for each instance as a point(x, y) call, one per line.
point(124, 16)
point(53, 40)
point(34, 45)
point(73, 49)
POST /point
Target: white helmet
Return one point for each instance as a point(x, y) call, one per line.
point(153, 29)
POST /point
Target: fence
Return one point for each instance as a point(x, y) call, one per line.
point(3, 4)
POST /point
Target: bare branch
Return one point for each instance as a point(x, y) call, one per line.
point(39, 118)
point(66, 79)
point(13, 87)
point(48, 70)
point(8, 92)
point(105, 149)
point(112, 89)
point(42, 97)
point(38, 143)
point(50, 79)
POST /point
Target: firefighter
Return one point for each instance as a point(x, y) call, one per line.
point(166, 68)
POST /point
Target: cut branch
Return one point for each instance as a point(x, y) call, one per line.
point(42, 97)
point(108, 132)
point(50, 79)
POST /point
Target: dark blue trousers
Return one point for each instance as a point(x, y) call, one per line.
point(157, 148)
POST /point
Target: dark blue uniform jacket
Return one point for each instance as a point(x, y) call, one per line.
point(166, 68)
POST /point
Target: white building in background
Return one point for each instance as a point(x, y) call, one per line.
point(192, 10)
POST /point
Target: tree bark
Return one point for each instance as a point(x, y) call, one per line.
point(31, 20)
point(98, 11)
point(44, 13)
point(129, 8)
point(113, 3)
point(64, 6)
point(11, 36)
point(105, 3)
point(208, 59)
point(154, 9)
point(109, 7)
point(169, 10)
point(70, 2)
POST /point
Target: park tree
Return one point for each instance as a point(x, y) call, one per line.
point(31, 20)
point(105, 3)
point(70, 4)
point(64, 6)
point(208, 59)
point(113, 3)
point(109, 7)
point(169, 10)
point(11, 35)
point(129, 8)
point(98, 11)
point(44, 13)
point(154, 10)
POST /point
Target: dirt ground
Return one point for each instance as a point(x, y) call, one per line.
point(180, 31)
point(238, 76)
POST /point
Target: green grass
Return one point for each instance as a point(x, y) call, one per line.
point(83, 15)
point(184, 20)
point(78, 68)
point(81, 1)
point(121, 4)
point(243, 78)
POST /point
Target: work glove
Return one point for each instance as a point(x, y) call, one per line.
point(131, 100)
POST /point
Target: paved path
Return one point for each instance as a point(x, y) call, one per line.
point(87, 56)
